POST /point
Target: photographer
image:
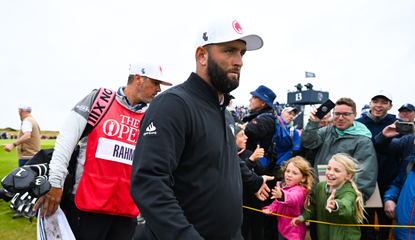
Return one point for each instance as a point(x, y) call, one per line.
point(400, 148)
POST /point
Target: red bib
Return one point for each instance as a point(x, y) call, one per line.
point(105, 183)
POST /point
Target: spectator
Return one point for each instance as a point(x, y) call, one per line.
point(365, 110)
point(345, 136)
point(407, 112)
point(388, 166)
point(253, 221)
point(325, 121)
point(28, 142)
point(260, 130)
point(399, 197)
point(288, 115)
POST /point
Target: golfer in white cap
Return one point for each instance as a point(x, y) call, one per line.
point(186, 177)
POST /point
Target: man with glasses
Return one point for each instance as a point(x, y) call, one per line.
point(407, 112)
point(376, 120)
point(345, 136)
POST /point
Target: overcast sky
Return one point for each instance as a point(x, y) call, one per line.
point(53, 53)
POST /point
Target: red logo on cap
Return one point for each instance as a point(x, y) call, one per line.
point(237, 27)
point(161, 71)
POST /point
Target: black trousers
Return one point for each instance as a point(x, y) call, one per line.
point(252, 221)
point(97, 226)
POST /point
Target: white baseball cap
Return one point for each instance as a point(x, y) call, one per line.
point(148, 69)
point(25, 107)
point(226, 30)
point(383, 93)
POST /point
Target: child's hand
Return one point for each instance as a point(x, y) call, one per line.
point(276, 192)
point(267, 211)
point(295, 221)
point(331, 204)
point(258, 153)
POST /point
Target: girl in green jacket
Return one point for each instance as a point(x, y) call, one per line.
point(336, 200)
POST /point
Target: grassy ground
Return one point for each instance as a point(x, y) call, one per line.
point(19, 228)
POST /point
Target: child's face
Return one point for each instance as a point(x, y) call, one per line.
point(336, 174)
point(293, 175)
point(241, 139)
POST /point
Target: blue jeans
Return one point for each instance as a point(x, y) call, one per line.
point(22, 162)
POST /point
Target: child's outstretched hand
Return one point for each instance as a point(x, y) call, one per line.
point(276, 192)
point(295, 221)
point(267, 211)
point(331, 204)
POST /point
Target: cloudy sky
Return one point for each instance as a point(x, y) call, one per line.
point(53, 53)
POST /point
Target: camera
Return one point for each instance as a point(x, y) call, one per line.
point(405, 127)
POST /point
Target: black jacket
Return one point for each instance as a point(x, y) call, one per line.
point(249, 199)
point(186, 174)
point(261, 130)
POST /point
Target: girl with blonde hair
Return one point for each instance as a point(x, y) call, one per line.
point(336, 200)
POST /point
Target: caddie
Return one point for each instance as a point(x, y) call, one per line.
point(100, 204)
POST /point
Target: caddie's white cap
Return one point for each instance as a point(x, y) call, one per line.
point(25, 107)
point(149, 69)
point(383, 93)
point(226, 30)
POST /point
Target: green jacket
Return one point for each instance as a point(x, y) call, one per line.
point(345, 214)
point(358, 146)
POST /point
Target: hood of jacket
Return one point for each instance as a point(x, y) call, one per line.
point(357, 129)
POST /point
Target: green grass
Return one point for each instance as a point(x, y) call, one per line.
point(19, 228)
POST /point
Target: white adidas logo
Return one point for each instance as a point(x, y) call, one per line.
point(151, 129)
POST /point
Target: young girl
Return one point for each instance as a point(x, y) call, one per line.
point(336, 200)
point(292, 198)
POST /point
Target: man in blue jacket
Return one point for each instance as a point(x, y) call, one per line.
point(399, 200)
point(388, 166)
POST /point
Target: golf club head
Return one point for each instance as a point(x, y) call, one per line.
point(15, 199)
point(20, 208)
point(28, 212)
point(9, 194)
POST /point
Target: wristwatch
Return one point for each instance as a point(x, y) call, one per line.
point(14, 144)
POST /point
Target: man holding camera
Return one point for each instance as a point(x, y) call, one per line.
point(399, 197)
point(388, 166)
point(407, 112)
point(345, 136)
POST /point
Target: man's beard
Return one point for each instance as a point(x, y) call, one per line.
point(219, 77)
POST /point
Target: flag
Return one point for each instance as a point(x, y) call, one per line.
point(309, 74)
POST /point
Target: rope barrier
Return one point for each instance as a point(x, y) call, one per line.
point(338, 224)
